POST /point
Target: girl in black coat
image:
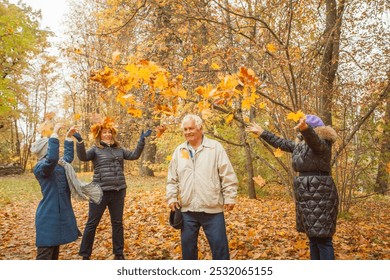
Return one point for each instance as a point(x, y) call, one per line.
point(316, 197)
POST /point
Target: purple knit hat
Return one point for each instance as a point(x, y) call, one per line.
point(314, 121)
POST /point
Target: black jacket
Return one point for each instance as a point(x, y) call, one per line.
point(108, 163)
point(316, 197)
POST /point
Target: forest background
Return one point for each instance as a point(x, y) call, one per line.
point(146, 63)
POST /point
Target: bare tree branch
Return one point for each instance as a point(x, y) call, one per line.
point(382, 97)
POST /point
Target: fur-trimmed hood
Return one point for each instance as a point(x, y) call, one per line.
point(327, 133)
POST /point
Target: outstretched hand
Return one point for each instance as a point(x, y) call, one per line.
point(254, 128)
point(72, 130)
point(302, 125)
point(146, 134)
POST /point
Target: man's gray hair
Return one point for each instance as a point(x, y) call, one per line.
point(190, 117)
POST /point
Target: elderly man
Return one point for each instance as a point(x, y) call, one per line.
point(201, 181)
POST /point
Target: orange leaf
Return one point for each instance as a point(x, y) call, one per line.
point(278, 152)
point(259, 180)
point(160, 130)
point(49, 116)
point(388, 167)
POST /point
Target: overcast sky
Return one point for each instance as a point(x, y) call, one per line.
point(52, 12)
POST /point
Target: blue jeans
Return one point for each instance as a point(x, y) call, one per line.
point(321, 248)
point(115, 201)
point(215, 230)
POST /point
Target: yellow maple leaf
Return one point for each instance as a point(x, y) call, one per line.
point(215, 66)
point(262, 105)
point(169, 158)
point(144, 74)
point(76, 117)
point(271, 48)
point(278, 152)
point(187, 60)
point(185, 154)
point(229, 118)
point(179, 78)
point(253, 135)
point(259, 180)
point(295, 116)
point(134, 112)
point(182, 93)
point(161, 81)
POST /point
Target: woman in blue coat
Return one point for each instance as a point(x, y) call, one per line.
point(55, 221)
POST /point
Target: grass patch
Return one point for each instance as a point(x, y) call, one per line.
point(25, 188)
point(21, 188)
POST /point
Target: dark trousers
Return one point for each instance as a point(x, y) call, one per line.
point(215, 230)
point(321, 248)
point(115, 201)
point(48, 253)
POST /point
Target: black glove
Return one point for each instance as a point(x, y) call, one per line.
point(145, 134)
point(77, 136)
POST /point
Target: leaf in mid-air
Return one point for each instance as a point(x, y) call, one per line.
point(295, 116)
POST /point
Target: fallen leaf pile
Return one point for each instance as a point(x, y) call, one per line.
point(257, 229)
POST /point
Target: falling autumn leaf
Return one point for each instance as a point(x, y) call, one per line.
point(76, 117)
point(229, 118)
point(160, 130)
point(116, 57)
point(278, 152)
point(49, 116)
point(271, 48)
point(184, 154)
point(296, 116)
point(215, 66)
point(262, 105)
point(259, 180)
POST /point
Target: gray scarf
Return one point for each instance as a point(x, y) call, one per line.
point(78, 189)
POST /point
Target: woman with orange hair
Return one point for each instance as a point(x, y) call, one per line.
point(108, 158)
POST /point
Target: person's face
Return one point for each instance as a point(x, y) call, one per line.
point(106, 135)
point(192, 134)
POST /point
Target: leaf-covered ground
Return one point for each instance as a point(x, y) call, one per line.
point(257, 229)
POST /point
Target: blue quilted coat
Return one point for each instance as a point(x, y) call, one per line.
point(55, 221)
point(316, 197)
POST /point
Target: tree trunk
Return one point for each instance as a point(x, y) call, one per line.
point(382, 179)
point(330, 59)
point(248, 164)
point(148, 157)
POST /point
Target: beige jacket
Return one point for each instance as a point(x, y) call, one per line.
point(203, 183)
